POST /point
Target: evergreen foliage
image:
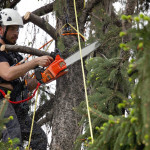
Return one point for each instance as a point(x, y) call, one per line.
point(103, 29)
point(117, 85)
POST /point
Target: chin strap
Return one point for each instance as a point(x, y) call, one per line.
point(4, 37)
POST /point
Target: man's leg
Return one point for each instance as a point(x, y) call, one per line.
point(12, 127)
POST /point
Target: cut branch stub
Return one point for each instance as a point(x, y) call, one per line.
point(27, 16)
point(24, 49)
point(42, 24)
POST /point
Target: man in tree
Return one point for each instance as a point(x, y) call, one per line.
point(11, 78)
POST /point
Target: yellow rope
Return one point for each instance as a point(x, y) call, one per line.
point(73, 29)
point(84, 5)
point(33, 120)
point(77, 31)
point(35, 110)
point(62, 27)
point(48, 46)
point(85, 88)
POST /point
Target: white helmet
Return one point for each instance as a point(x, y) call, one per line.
point(10, 17)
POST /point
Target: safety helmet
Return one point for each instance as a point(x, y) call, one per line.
point(10, 17)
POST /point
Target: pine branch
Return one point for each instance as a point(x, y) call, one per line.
point(42, 24)
point(24, 49)
point(99, 114)
point(104, 116)
point(115, 19)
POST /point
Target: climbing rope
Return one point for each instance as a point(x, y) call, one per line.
point(71, 33)
point(83, 73)
point(33, 120)
point(21, 101)
point(83, 5)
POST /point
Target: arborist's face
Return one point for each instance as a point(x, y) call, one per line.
point(12, 34)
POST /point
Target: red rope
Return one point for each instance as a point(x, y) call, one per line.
point(21, 101)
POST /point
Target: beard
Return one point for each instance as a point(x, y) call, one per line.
point(13, 40)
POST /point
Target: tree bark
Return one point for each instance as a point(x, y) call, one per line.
point(14, 3)
point(8, 3)
point(69, 94)
point(42, 110)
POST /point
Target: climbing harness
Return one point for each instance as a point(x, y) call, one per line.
point(30, 97)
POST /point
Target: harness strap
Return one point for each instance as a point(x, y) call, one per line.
point(21, 101)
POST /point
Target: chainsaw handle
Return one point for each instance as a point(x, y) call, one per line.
point(38, 73)
point(55, 53)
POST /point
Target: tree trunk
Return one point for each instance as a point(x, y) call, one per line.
point(69, 94)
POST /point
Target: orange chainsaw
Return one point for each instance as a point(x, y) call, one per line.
point(59, 66)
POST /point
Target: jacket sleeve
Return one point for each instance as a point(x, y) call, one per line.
point(3, 57)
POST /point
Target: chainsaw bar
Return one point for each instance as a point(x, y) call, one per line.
point(85, 51)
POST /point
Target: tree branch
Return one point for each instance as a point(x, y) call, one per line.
point(24, 49)
point(44, 108)
point(42, 24)
point(46, 119)
point(14, 3)
point(44, 10)
point(41, 11)
point(88, 9)
point(45, 91)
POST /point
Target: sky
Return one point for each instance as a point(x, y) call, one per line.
point(25, 6)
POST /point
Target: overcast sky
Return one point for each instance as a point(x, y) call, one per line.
point(29, 6)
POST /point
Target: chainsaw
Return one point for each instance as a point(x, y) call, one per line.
point(59, 66)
